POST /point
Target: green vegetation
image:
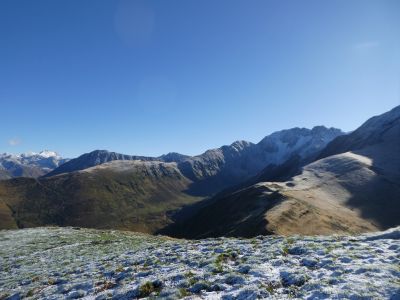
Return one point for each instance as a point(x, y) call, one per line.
point(290, 240)
point(285, 250)
point(222, 258)
point(135, 199)
point(30, 293)
point(226, 256)
point(192, 281)
point(183, 293)
point(119, 269)
point(189, 274)
point(270, 287)
point(148, 288)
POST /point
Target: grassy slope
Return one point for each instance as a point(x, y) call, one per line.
point(136, 199)
point(355, 191)
point(337, 194)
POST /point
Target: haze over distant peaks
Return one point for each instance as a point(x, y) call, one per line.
point(30, 164)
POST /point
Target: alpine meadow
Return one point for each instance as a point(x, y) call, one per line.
point(228, 149)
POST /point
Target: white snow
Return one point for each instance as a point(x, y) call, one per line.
point(65, 263)
point(45, 160)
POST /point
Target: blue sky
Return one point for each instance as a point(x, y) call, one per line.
point(150, 77)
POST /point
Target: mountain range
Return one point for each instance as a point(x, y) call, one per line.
point(111, 190)
point(353, 186)
point(29, 164)
point(299, 180)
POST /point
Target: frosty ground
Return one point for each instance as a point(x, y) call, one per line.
point(69, 263)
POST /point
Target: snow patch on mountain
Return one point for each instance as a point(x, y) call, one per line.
point(31, 164)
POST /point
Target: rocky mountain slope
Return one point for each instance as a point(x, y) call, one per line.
point(104, 189)
point(372, 132)
point(354, 191)
point(99, 157)
point(69, 263)
point(93, 159)
point(29, 164)
point(132, 195)
point(219, 168)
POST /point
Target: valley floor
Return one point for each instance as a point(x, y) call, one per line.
point(59, 263)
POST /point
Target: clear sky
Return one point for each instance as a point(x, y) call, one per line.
point(150, 77)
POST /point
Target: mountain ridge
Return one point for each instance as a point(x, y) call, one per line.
point(109, 180)
point(280, 185)
point(29, 164)
point(351, 191)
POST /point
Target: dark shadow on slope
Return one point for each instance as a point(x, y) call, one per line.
point(189, 213)
point(221, 185)
point(377, 200)
point(370, 133)
point(238, 215)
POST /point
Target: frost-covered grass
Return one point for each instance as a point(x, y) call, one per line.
point(67, 263)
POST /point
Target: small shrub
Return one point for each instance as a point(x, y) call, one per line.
point(149, 287)
point(285, 250)
point(218, 268)
point(189, 274)
point(271, 287)
point(290, 241)
point(224, 257)
point(146, 289)
point(119, 269)
point(192, 281)
point(183, 293)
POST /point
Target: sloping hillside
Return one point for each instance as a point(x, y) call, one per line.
point(349, 192)
point(130, 195)
point(93, 159)
point(226, 166)
point(373, 131)
point(104, 189)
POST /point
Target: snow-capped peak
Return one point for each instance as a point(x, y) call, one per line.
point(47, 153)
point(41, 154)
point(31, 164)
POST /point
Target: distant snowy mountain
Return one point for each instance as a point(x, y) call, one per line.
point(303, 181)
point(220, 168)
point(29, 164)
point(108, 189)
point(281, 145)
